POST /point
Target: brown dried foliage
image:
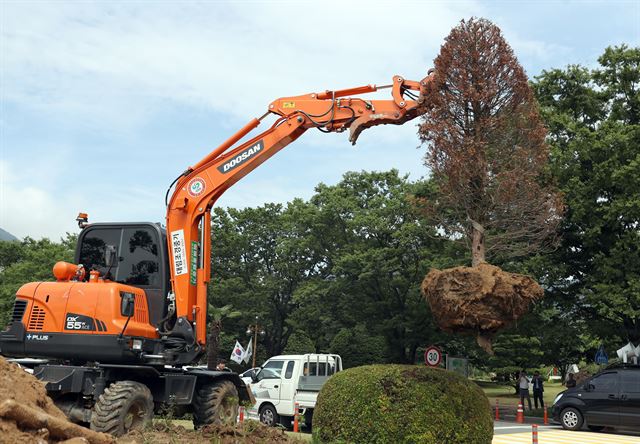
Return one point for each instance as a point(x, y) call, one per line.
point(486, 147)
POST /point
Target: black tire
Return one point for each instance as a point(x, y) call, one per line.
point(269, 415)
point(215, 403)
point(124, 406)
point(571, 419)
point(595, 428)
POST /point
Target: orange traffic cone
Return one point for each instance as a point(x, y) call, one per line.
point(520, 414)
point(295, 417)
point(534, 434)
point(497, 411)
point(546, 417)
point(241, 413)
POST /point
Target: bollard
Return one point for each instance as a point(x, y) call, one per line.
point(546, 417)
point(295, 417)
point(534, 434)
point(241, 413)
point(520, 414)
point(497, 411)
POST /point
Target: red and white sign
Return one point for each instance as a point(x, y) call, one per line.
point(432, 356)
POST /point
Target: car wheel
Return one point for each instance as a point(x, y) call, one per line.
point(595, 428)
point(571, 419)
point(268, 416)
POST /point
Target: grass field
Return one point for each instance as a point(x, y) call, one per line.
point(506, 395)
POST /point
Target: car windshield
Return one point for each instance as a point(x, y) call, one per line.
point(271, 370)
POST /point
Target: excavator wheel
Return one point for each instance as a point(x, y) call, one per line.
point(215, 403)
point(124, 406)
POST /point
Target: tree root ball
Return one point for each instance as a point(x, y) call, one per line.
point(478, 300)
point(401, 404)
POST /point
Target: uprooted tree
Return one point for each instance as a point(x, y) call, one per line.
point(487, 155)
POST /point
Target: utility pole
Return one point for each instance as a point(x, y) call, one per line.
point(255, 328)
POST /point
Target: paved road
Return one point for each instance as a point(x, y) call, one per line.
point(512, 433)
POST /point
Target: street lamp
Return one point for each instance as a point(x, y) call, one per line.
point(255, 329)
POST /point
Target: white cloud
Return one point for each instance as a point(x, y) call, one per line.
point(119, 62)
point(112, 68)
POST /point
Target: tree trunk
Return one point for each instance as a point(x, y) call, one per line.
point(477, 244)
point(213, 344)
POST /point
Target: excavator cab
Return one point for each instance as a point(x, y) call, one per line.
point(132, 254)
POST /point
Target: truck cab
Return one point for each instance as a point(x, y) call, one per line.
point(286, 380)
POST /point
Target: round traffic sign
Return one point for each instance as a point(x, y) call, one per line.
point(432, 356)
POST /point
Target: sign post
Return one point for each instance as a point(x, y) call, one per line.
point(458, 365)
point(601, 356)
point(432, 356)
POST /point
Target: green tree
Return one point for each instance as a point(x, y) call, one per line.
point(217, 315)
point(357, 346)
point(377, 249)
point(260, 259)
point(29, 261)
point(299, 343)
point(593, 118)
point(354, 254)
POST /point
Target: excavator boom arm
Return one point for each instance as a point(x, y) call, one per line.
point(188, 210)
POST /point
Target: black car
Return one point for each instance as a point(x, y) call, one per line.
point(611, 398)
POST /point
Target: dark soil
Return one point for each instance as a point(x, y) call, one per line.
point(248, 432)
point(478, 300)
point(18, 385)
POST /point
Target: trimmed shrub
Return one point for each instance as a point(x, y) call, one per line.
point(401, 404)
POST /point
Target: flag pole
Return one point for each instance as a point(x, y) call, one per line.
point(255, 343)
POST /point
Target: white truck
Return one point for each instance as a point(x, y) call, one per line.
point(285, 380)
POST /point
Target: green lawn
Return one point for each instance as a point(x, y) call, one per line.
point(305, 437)
point(506, 396)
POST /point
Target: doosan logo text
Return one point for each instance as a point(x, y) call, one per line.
point(240, 158)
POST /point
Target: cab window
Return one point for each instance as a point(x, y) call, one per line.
point(607, 382)
point(140, 262)
point(318, 369)
point(271, 370)
point(93, 247)
point(137, 252)
point(631, 382)
point(289, 372)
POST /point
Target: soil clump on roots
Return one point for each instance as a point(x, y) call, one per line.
point(478, 300)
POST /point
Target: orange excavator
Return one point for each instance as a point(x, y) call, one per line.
point(112, 335)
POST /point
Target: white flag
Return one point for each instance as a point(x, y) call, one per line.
point(248, 352)
point(237, 353)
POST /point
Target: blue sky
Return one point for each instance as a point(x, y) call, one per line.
point(103, 103)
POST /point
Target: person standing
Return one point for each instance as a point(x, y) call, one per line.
point(571, 383)
point(523, 385)
point(538, 389)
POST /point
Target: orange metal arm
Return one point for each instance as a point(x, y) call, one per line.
point(188, 211)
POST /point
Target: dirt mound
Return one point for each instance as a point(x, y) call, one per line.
point(28, 415)
point(20, 386)
point(478, 300)
point(248, 432)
